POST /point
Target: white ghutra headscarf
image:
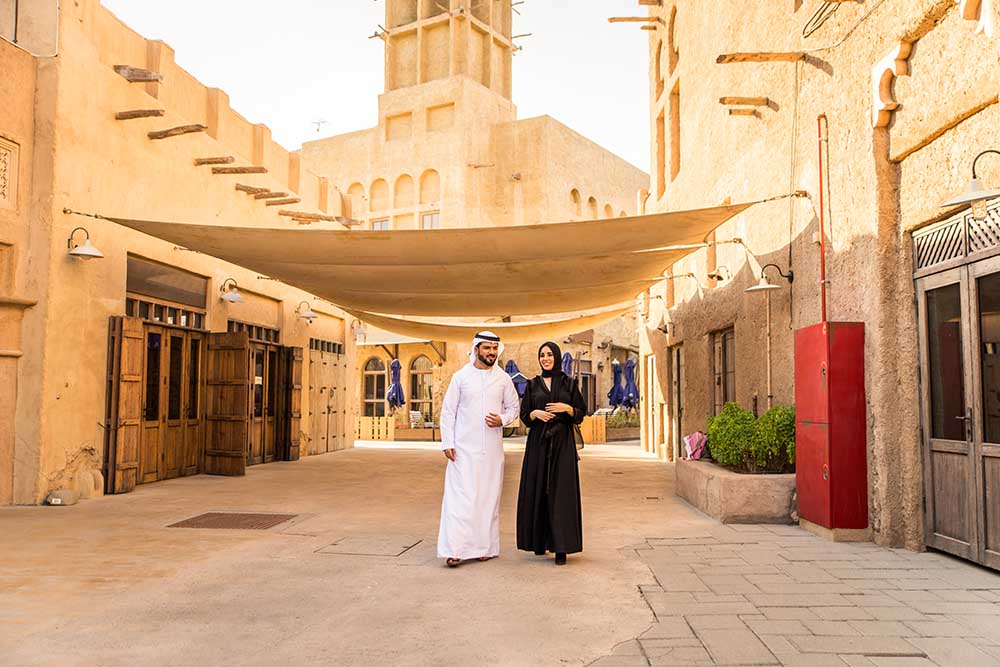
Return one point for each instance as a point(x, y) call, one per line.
point(485, 337)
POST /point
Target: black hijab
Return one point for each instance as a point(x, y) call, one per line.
point(557, 366)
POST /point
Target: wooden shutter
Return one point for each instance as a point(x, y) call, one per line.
point(227, 403)
point(125, 404)
point(293, 393)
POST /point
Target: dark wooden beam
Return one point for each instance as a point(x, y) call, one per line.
point(138, 113)
point(283, 202)
point(177, 131)
point(745, 101)
point(312, 217)
point(742, 112)
point(270, 195)
point(224, 159)
point(250, 189)
point(636, 19)
point(137, 74)
point(239, 170)
point(760, 57)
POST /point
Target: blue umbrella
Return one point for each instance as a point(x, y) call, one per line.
point(617, 393)
point(395, 395)
point(520, 382)
point(631, 393)
point(567, 364)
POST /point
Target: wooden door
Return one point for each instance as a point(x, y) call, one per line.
point(227, 403)
point(194, 435)
point(174, 429)
point(270, 439)
point(950, 479)
point(292, 400)
point(676, 400)
point(984, 311)
point(125, 413)
point(331, 367)
point(341, 376)
point(317, 403)
point(151, 462)
point(258, 362)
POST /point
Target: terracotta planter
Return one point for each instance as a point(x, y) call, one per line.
point(733, 497)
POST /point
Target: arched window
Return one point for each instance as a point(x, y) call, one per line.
point(623, 214)
point(375, 387)
point(379, 197)
point(404, 195)
point(608, 211)
point(574, 197)
point(430, 187)
point(658, 70)
point(592, 208)
point(422, 387)
point(673, 49)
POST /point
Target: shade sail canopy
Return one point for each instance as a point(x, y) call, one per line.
point(248, 246)
point(513, 332)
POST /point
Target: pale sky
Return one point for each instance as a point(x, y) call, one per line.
point(289, 63)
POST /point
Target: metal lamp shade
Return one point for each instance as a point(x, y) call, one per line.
point(86, 250)
point(233, 296)
point(976, 196)
point(762, 286)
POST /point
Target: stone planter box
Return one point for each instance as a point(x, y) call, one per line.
point(616, 434)
point(732, 497)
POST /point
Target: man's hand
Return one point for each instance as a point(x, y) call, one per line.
point(493, 420)
point(450, 453)
point(542, 415)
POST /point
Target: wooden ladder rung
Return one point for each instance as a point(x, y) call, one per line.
point(177, 131)
point(239, 170)
point(222, 159)
point(745, 101)
point(138, 113)
point(270, 195)
point(138, 74)
point(250, 189)
point(283, 202)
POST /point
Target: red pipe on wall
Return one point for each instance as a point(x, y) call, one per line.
point(820, 122)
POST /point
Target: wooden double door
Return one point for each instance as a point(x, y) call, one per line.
point(327, 406)
point(182, 402)
point(959, 320)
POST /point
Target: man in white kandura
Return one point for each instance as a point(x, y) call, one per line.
point(480, 400)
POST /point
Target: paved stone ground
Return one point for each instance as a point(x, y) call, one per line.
point(106, 582)
point(768, 595)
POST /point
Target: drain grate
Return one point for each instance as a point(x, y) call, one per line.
point(234, 521)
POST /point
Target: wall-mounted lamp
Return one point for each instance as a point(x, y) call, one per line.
point(85, 250)
point(600, 366)
point(721, 274)
point(764, 286)
point(229, 291)
point(975, 195)
point(308, 314)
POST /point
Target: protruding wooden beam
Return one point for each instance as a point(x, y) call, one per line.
point(270, 195)
point(651, 3)
point(745, 101)
point(138, 113)
point(250, 189)
point(636, 19)
point(742, 112)
point(239, 170)
point(282, 202)
point(177, 131)
point(312, 217)
point(137, 74)
point(649, 27)
point(222, 159)
point(761, 57)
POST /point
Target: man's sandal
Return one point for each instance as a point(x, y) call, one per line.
point(453, 562)
point(483, 559)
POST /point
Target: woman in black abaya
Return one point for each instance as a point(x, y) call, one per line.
point(548, 503)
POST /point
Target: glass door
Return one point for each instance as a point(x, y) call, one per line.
point(943, 306)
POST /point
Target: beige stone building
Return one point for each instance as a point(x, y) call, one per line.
point(909, 92)
point(144, 365)
point(449, 151)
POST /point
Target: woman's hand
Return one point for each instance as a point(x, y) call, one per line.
point(542, 415)
point(559, 407)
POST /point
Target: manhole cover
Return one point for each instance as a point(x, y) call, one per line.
point(234, 521)
point(371, 545)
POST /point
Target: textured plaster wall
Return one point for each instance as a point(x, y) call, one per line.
point(882, 181)
point(98, 164)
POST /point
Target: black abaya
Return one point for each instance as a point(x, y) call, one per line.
point(548, 503)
